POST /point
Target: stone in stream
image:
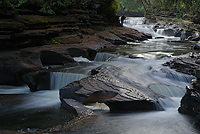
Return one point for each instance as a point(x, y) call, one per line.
point(184, 65)
point(190, 103)
point(53, 58)
point(195, 46)
point(77, 52)
point(105, 88)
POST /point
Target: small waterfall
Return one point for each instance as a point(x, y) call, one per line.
point(173, 95)
point(60, 79)
point(135, 20)
point(169, 103)
point(164, 73)
point(103, 57)
point(165, 32)
point(160, 31)
point(169, 91)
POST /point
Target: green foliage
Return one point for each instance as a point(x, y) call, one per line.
point(46, 6)
point(179, 7)
point(130, 5)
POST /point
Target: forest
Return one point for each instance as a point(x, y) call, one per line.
point(177, 8)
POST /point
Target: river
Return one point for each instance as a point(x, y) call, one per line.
point(144, 69)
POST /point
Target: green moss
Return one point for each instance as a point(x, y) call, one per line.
point(55, 40)
point(42, 21)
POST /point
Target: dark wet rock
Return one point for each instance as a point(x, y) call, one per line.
point(77, 52)
point(54, 58)
point(196, 18)
point(159, 37)
point(184, 65)
point(191, 100)
point(37, 81)
point(85, 53)
point(23, 62)
point(7, 77)
point(104, 87)
point(16, 65)
point(195, 46)
point(91, 53)
point(177, 33)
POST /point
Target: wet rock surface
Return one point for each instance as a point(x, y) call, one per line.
point(191, 100)
point(190, 103)
point(172, 27)
point(104, 87)
point(184, 65)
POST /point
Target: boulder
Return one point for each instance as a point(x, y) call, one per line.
point(184, 65)
point(191, 100)
point(53, 58)
point(7, 77)
point(38, 81)
point(105, 88)
point(16, 64)
point(196, 18)
point(91, 53)
point(77, 52)
point(195, 46)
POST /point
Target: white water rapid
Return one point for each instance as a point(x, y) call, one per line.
point(27, 111)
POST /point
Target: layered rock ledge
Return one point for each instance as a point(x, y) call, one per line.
point(104, 87)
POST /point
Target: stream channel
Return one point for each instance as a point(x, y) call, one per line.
point(41, 109)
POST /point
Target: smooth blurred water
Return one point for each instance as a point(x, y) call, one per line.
point(24, 110)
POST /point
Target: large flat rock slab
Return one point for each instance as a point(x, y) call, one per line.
point(104, 87)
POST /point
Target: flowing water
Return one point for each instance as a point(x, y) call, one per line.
point(41, 109)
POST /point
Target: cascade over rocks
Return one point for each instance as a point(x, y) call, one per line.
point(24, 66)
point(105, 88)
point(191, 100)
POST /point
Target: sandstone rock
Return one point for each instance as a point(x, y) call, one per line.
point(103, 87)
point(74, 107)
point(112, 38)
point(184, 65)
point(38, 19)
point(68, 39)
